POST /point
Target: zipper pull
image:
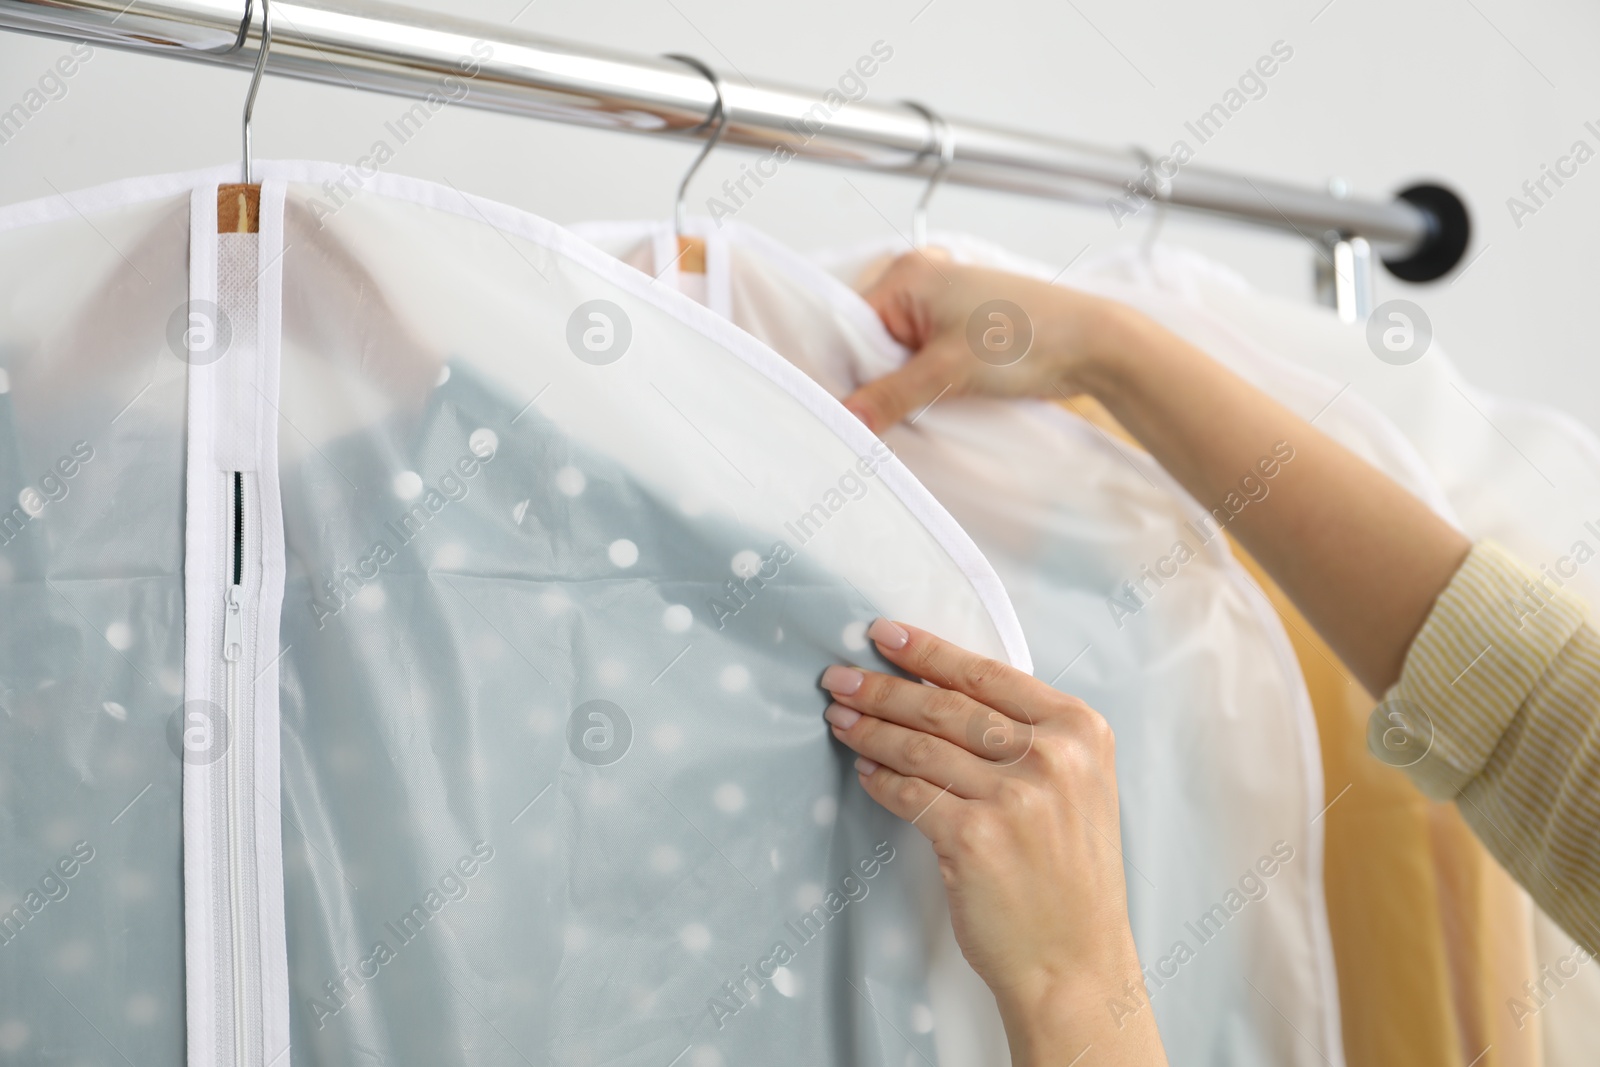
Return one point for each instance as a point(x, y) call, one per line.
point(233, 626)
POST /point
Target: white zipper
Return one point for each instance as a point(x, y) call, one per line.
point(238, 567)
point(235, 959)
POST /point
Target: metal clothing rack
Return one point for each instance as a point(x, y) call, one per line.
point(1420, 235)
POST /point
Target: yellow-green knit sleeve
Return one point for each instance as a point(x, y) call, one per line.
point(1498, 708)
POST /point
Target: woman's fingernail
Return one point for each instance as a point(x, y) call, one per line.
point(888, 634)
point(842, 680)
point(865, 767)
point(841, 716)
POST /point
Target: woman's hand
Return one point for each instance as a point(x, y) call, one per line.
point(980, 331)
point(1359, 555)
point(1015, 785)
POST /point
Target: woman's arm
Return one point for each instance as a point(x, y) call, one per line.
point(1496, 704)
point(1014, 783)
point(1361, 557)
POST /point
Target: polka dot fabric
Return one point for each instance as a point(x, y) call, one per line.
point(561, 559)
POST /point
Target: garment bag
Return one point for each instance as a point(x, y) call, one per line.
point(416, 624)
point(1216, 750)
point(1522, 473)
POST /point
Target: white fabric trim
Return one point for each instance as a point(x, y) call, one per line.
point(201, 580)
point(273, 944)
point(719, 272)
point(848, 303)
point(665, 250)
point(232, 425)
point(802, 271)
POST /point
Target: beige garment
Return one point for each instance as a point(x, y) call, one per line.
point(1397, 989)
point(1428, 931)
point(1487, 921)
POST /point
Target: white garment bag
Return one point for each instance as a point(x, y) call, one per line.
point(1217, 759)
point(413, 634)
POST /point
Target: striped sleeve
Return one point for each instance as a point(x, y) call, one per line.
point(1498, 709)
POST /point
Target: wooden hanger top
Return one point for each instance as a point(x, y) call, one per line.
point(239, 209)
point(691, 255)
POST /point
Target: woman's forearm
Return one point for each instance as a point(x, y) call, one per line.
point(1105, 1021)
point(1360, 556)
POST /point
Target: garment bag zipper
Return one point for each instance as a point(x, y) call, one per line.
point(236, 740)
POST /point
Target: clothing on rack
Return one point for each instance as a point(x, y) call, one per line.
point(1388, 847)
point(1389, 901)
point(1207, 786)
point(469, 593)
point(1497, 462)
point(1391, 869)
point(427, 610)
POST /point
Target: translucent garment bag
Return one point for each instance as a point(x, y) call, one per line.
point(1524, 474)
point(92, 412)
point(1217, 757)
point(422, 666)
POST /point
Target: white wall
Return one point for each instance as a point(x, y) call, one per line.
point(1478, 93)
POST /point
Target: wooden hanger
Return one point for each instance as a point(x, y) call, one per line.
point(238, 208)
point(691, 255)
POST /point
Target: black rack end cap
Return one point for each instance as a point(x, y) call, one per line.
point(1449, 233)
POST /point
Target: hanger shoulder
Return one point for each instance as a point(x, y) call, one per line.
point(238, 208)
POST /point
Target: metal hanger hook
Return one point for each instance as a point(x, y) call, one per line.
point(244, 26)
point(718, 116)
point(944, 142)
point(1160, 192)
point(255, 78)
